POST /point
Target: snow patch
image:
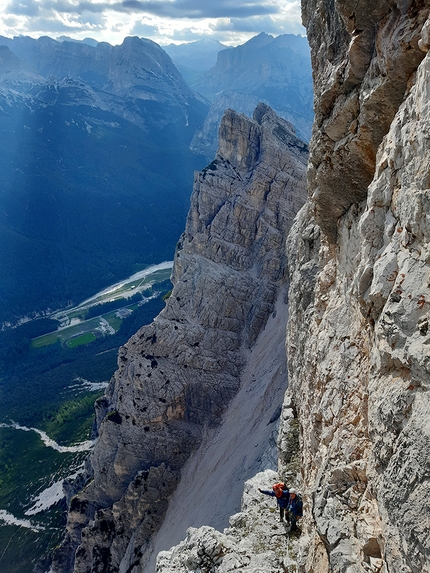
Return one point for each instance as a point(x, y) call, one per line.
point(47, 498)
point(51, 495)
point(83, 385)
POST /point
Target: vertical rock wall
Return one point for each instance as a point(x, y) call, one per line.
point(177, 376)
point(359, 260)
point(363, 54)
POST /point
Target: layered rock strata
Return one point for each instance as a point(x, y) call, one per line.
point(177, 376)
point(358, 336)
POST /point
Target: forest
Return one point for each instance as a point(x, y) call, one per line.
point(31, 378)
point(52, 388)
point(79, 208)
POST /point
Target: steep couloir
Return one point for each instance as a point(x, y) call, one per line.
point(177, 376)
point(358, 337)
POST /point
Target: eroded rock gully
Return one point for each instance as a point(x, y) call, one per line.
point(177, 376)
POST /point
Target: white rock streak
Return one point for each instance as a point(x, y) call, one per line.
point(10, 519)
point(82, 447)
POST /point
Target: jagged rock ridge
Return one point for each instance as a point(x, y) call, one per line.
point(177, 376)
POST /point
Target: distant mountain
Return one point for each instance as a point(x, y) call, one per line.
point(276, 71)
point(199, 56)
point(89, 41)
point(96, 167)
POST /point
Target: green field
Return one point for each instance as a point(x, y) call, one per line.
point(75, 329)
point(82, 339)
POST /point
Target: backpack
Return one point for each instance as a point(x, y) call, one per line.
point(296, 506)
point(278, 488)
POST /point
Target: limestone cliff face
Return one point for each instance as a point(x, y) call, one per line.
point(177, 376)
point(358, 337)
point(363, 56)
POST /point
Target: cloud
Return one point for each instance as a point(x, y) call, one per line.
point(145, 30)
point(52, 26)
point(191, 9)
point(230, 21)
point(196, 9)
point(257, 24)
point(23, 8)
point(253, 24)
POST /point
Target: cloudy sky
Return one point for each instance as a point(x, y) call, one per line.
point(164, 21)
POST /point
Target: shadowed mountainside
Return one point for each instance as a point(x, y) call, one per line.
point(96, 166)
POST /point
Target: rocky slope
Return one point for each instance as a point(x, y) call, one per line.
point(255, 542)
point(358, 336)
point(177, 376)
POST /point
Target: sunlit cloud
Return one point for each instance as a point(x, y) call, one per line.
point(164, 21)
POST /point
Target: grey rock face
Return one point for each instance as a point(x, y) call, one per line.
point(358, 342)
point(255, 542)
point(363, 58)
point(177, 376)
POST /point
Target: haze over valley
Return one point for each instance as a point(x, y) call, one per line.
point(98, 164)
point(287, 350)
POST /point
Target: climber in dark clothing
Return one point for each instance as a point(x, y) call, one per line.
point(281, 492)
point(294, 508)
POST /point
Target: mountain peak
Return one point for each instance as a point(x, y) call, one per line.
point(260, 40)
point(200, 55)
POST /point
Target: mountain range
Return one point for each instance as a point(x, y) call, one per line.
point(96, 166)
point(276, 71)
point(99, 147)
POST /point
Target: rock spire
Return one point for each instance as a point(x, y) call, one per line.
point(177, 376)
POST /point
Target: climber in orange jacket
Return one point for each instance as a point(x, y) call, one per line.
point(282, 494)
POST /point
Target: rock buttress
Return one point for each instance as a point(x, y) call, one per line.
point(177, 376)
point(358, 338)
